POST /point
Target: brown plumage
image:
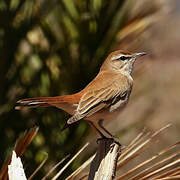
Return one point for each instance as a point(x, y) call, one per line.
point(103, 97)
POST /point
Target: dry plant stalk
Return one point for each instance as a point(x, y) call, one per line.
point(21, 145)
point(104, 164)
point(164, 165)
point(15, 169)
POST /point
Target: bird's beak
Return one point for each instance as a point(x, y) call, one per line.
point(139, 54)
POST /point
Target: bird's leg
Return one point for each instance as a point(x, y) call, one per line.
point(116, 140)
point(100, 123)
point(96, 129)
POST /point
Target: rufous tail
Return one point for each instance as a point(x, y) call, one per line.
point(37, 102)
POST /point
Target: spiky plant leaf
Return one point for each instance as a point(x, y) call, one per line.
point(21, 145)
point(163, 165)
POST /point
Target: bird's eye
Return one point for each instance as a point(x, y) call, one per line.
point(123, 58)
point(120, 57)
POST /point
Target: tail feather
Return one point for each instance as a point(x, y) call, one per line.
point(36, 102)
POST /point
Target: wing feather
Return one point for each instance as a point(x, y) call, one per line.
point(96, 101)
point(99, 95)
point(93, 100)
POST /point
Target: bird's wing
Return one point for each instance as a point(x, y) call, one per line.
point(96, 98)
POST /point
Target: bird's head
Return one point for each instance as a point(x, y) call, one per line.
point(121, 61)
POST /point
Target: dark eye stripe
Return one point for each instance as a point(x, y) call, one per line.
point(123, 58)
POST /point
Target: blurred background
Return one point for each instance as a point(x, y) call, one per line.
point(50, 48)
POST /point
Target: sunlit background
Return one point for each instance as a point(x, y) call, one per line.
point(50, 48)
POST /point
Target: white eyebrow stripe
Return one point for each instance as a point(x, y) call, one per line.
point(119, 55)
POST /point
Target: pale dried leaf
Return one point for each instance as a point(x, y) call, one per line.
point(15, 169)
point(80, 169)
point(60, 172)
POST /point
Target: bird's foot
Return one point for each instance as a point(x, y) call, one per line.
point(102, 138)
point(114, 139)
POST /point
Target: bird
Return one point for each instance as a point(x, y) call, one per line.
point(102, 99)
